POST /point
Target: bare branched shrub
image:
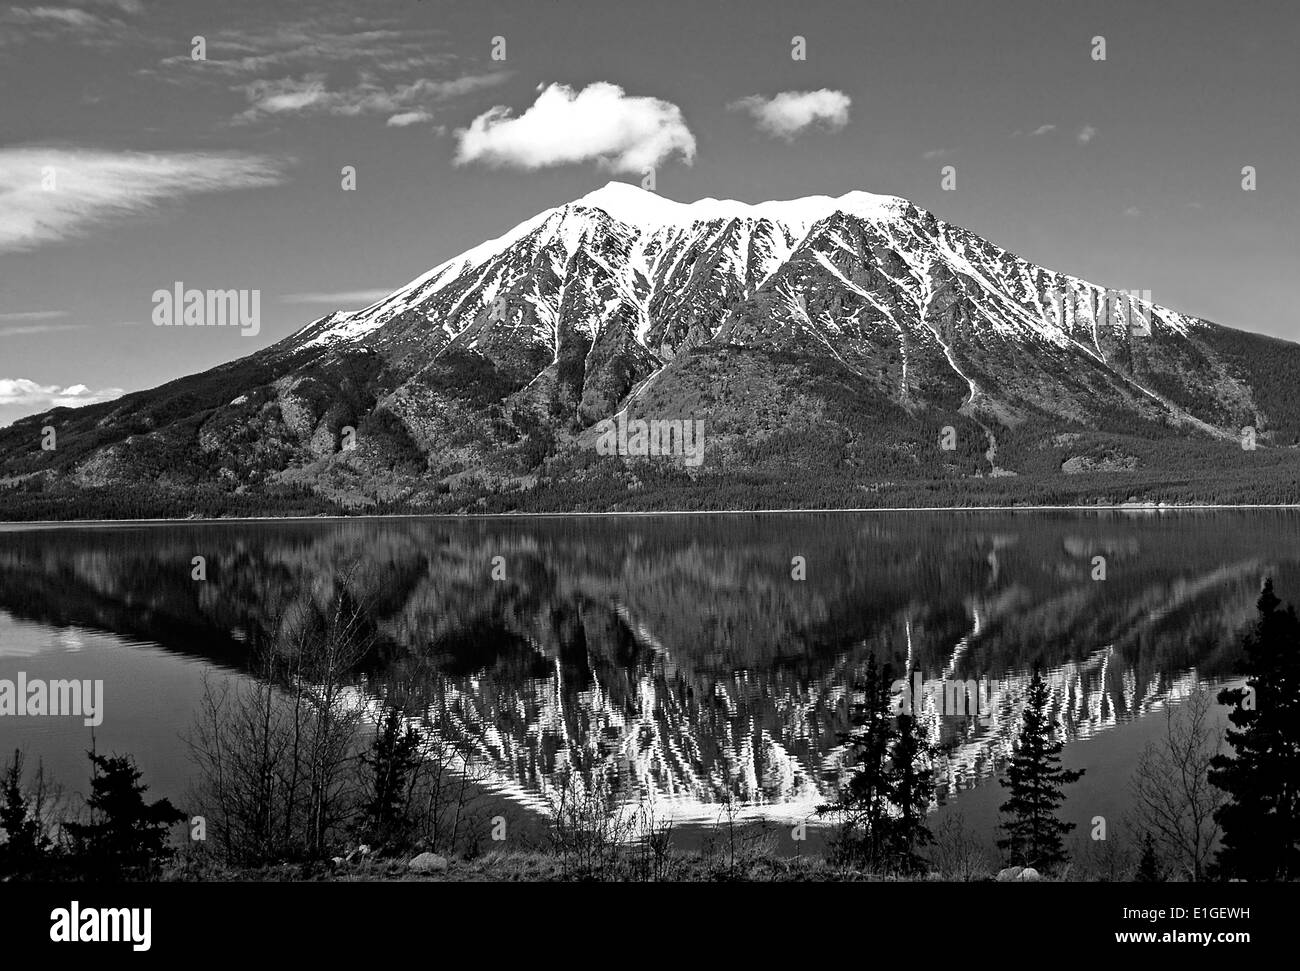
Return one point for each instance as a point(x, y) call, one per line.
point(588, 825)
point(957, 853)
point(450, 806)
point(1110, 860)
point(239, 744)
point(1173, 799)
point(276, 755)
point(730, 840)
point(735, 845)
point(323, 645)
point(654, 839)
point(448, 801)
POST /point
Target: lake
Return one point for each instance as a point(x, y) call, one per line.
point(680, 656)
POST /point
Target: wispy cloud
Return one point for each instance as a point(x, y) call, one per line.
point(28, 322)
point(33, 315)
point(25, 330)
point(790, 113)
point(1085, 134)
point(934, 153)
point(600, 123)
point(63, 15)
point(53, 194)
point(1043, 129)
point(345, 298)
point(311, 95)
point(66, 24)
point(125, 6)
point(326, 41)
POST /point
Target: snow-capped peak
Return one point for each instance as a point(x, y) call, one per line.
point(647, 210)
point(668, 269)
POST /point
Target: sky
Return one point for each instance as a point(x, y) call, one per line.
point(129, 164)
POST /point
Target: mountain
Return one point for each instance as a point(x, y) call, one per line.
point(851, 351)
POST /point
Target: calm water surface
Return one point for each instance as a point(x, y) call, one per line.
point(674, 654)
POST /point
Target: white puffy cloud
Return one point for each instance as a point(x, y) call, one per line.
point(789, 113)
point(51, 194)
point(600, 123)
point(1086, 134)
point(20, 396)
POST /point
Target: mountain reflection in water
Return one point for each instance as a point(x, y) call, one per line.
point(675, 655)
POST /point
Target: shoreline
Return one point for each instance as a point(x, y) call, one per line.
point(1119, 507)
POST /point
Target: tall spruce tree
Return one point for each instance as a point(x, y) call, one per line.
point(1035, 779)
point(883, 806)
point(863, 803)
point(911, 791)
point(1261, 822)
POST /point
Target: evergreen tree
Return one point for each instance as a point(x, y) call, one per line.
point(125, 835)
point(912, 789)
point(884, 804)
point(1035, 778)
point(863, 804)
point(1261, 822)
point(393, 761)
point(1149, 869)
point(26, 841)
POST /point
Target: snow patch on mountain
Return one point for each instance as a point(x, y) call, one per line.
point(648, 211)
